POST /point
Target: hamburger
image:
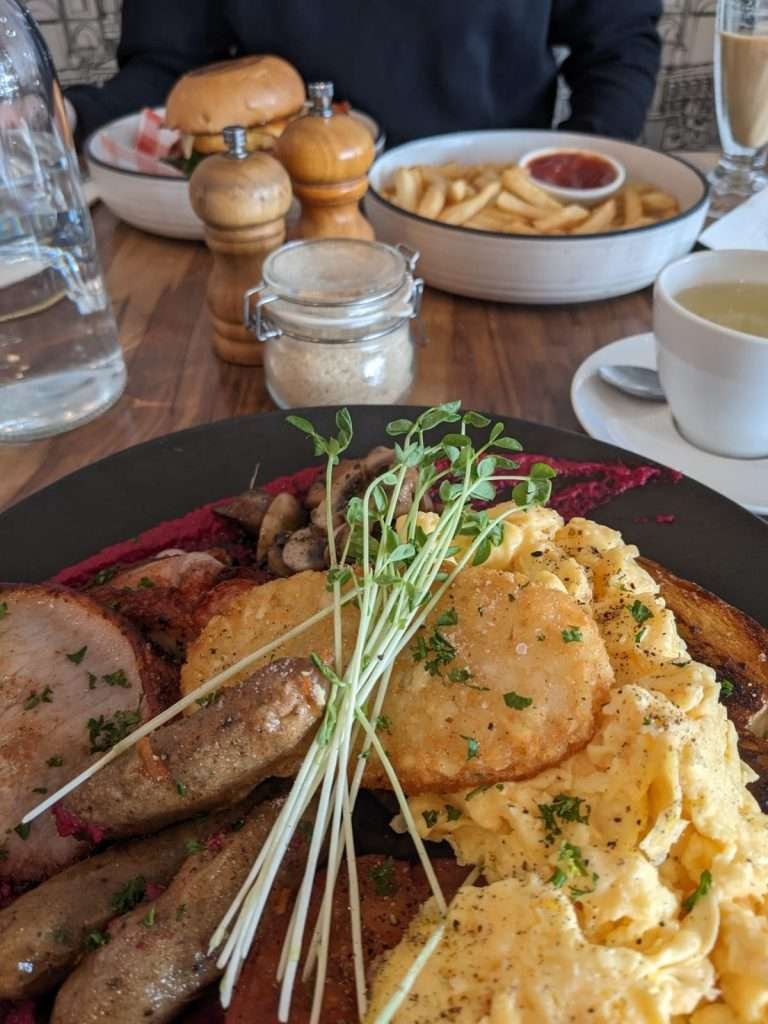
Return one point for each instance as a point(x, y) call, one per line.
point(262, 93)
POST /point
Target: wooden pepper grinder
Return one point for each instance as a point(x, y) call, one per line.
point(242, 200)
point(327, 156)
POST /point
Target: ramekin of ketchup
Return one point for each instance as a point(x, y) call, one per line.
point(582, 175)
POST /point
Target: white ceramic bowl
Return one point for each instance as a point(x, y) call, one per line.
point(586, 196)
point(715, 378)
point(153, 202)
point(551, 269)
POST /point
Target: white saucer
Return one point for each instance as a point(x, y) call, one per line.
point(648, 429)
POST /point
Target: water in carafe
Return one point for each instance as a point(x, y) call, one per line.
point(60, 360)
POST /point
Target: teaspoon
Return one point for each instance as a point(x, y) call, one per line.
point(638, 381)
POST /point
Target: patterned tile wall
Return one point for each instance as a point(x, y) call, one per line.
point(83, 36)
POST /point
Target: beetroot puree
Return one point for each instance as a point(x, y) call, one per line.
point(595, 484)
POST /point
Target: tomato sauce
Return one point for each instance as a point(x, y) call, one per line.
point(573, 170)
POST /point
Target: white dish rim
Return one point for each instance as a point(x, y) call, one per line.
point(539, 239)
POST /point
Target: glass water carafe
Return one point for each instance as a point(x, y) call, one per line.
point(60, 360)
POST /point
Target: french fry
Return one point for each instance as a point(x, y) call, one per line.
point(633, 207)
point(406, 188)
point(433, 176)
point(512, 204)
point(599, 219)
point(433, 200)
point(485, 177)
point(452, 170)
point(460, 213)
point(559, 220)
point(658, 202)
point(458, 190)
point(518, 182)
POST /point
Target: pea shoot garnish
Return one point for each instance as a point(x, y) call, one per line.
point(726, 689)
point(397, 575)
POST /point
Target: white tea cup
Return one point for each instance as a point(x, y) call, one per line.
point(715, 378)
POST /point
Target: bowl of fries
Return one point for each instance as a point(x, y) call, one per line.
point(486, 229)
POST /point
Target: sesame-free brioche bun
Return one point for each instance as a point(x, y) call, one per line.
point(250, 91)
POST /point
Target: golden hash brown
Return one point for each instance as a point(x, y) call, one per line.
point(464, 721)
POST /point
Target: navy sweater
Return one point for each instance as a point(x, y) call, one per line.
point(420, 67)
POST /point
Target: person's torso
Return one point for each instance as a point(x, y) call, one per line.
point(420, 67)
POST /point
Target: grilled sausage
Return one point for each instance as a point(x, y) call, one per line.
point(157, 961)
point(209, 759)
point(44, 932)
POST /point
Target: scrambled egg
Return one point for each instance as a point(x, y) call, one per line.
point(630, 882)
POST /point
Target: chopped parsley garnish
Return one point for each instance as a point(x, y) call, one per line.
point(640, 612)
point(382, 876)
point(483, 789)
point(194, 846)
point(462, 677)
point(640, 634)
point(77, 656)
point(55, 762)
point(726, 689)
point(449, 618)
point(104, 733)
point(35, 698)
point(558, 878)
point(62, 936)
point(103, 576)
point(514, 700)
point(117, 678)
point(93, 940)
point(208, 699)
point(435, 651)
point(571, 635)
point(3, 609)
point(92, 677)
point(705, 884)
point(430, 817)
point(452, 813)
point(145, 582)
point(571, 864)
point(473, 746)
point(181, 789)
point(23, 829)
point(132, 893)
point(383, 724)
point(566, 808)
point(149, 918)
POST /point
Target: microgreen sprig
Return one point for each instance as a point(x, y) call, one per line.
point(399, 574)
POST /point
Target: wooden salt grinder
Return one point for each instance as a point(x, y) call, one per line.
point(327, 156)
point(242, 200)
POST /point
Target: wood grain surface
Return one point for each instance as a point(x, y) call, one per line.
point(515, 360)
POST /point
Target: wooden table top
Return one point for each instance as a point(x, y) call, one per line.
point(513, 360)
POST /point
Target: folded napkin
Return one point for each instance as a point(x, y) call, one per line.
point(746, 227)
point(152, 144)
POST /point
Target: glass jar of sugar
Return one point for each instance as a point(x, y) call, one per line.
point(335, 314)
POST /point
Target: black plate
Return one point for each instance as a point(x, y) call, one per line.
point(712, 541)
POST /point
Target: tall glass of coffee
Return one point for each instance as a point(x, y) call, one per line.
point(741, 97)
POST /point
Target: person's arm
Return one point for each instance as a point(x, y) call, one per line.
point(160, 40)
point(613, 61)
